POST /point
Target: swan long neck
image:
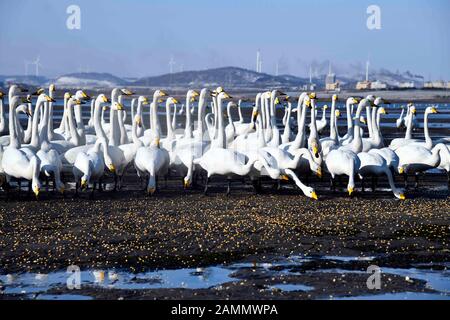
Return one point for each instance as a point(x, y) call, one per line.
point(123, 131)
point(300, 138)
point(188, 129)
point(349, 118)
point(170, 133)
point(241, 118)
point(428, 141)
point(333, 129)
point(369, 121)
point(156, 129)
point(35, 169)
point(313, 119)
point(201, 115)
point(408, 133)
point(99, 132)
point(221, 128)
point(73, 131)
point(287, 126)
point(35, 126)
point(50, 117)
point(13, 140)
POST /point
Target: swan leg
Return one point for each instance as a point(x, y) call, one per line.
point(332, 184)
point(374, 182)
point(228, 186)
point(416, 184)
point(115, 182)
point(362, 184)
point(91, 196)
point(205, 191)
point(405, 179)
point(100, 187)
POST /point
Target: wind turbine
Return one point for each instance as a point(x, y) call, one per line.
point(37, 64)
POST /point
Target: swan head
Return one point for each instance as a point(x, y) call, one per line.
point(67, 96)
point(1, 94)
point(117, 106)
point(84, 182)
point(36, 186)
point(315, 149)
point(109, 164)
point(126, 92)
point(81, 95)
point(143, 100)
point(52, 87)
point(378, 101)
point(335, 97)
point(186, 182)
point(337, 113)
point(431, 110)
point(401, 170)
point(399, 194)
point(311, 193)
point(37, 92)
point(312, 95)
point(350, 190)
point(61, 187)
point(138, 120)
point(383, 110)
point(413, 110)
point(105, 108)
point(352, 100)
point(102, 99)
point(325, 107)
point(307, 101)
point(171, 100)
point(159, 94)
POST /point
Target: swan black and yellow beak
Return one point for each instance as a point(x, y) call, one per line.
point(84, 95)
point(162, 93)
point(83, 183)
point(401, 170)
point(350, 191)
point(138, 120)
point(186, 183)
point(315, 151)
point(319, 172)
point(226, 95)
point(337, 113)
point(335, 97)
point(1, 94)
point(308, 103)
point(111, 168)
point(314, 195)
point(52, 87)
point(312, 95)
point(37, 92)
point(284, 177)
point(127, 92)
point(105, 99)
point(402, 196)
point(119, 106)
point(434, 110)
point(174, 100)
point(26, 100)
point(195, 93)
point(145, 101)
point(36, 191)
point(49, 99)
point(277, 101)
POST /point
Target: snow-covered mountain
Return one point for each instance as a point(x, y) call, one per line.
point(91, 80)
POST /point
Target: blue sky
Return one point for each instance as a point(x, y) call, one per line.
point(137, 37)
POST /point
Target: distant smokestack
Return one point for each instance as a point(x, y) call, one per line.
point(258, 61)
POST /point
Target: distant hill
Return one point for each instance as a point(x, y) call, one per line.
point(89, 79)
point(226, 76)
point(232, 77)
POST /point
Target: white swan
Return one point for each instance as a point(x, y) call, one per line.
point(16, 163)
point(417, 158)
point(89, 166)
point(153, 161)
point(372, 164)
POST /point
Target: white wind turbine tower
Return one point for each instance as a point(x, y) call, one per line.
point(171, 64)
point(37, 64)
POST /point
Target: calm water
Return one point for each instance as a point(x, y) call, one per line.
point(35, 285)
